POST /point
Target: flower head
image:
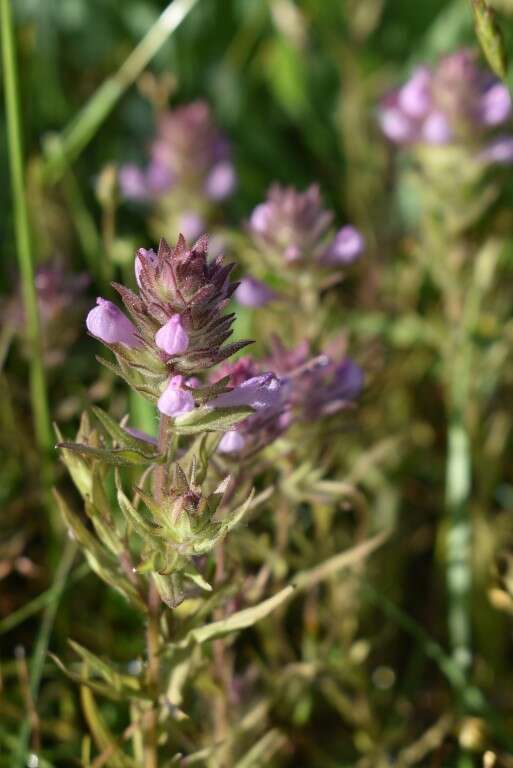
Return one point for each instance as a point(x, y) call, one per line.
point(294, 227)
point(177, 327)
point(455, 101)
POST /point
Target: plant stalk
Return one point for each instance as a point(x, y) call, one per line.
point(64, 149)
point(38, 388)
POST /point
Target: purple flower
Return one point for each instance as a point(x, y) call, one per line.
point(189, 158)
point(159, 179)
point(499, 151)
point(347, 246)
point(436, 129)
point(175, 401)
point(172, 338)
point(191, 225)
point(455, 101)
point(132, 182)
point(414, 98)
point(231, 442)
point(253, 293)
point(293, 226)
point(221, 181)
point(259, 392)
point(110, 325)
point(495, 105)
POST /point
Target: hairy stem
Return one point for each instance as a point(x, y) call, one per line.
point(152, 646)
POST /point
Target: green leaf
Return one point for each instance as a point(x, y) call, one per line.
point(237, 621)
point(79, 470)
point(117, 456)
point(129, 684)
point(100, 559)
point(208, 419)
point(132, 516)
point(103, 737)
point(121, 436)
point(170, 588)
point(490, 37)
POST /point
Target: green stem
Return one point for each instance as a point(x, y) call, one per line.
point(65, 149)
point(459, 536)
point(38, 390)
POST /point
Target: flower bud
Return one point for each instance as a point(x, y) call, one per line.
point(231, 442)
point(172, 338)
point(110, 325)
point(175, 401)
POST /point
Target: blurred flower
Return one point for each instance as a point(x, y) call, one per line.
point(253, 293)
point(454, 102)
point(318, 386)
point(188, 174)
point(264, 392)
point(293, 226)
point(60, 298)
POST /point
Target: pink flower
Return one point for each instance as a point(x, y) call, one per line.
point(258, 392)
point(143, 254)
point(172, 338)
point(347, 246)
point(253, 293)
point(175, 401)
point(231, 442)
point(110, 325)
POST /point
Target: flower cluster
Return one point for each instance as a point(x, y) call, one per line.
point(294, 228)
point(60, 300)
point(177, 328)
point(189, 171)
point(301, 389)
point(454, 102)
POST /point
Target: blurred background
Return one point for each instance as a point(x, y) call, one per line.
point(295, 88)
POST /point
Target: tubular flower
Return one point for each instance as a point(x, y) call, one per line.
point(319, 386)
point(293, 226)
point(266, 394)
point(110, 325)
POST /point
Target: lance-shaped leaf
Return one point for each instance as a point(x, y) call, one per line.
point(170, 588)
point(100, 559)
point(122, 436)
point(133, 517)
point(131, 685)
point(237, 621)
point(79, 470)
point(211, 419)
point(104, 739)
point(120, 457)
point(490, 37)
